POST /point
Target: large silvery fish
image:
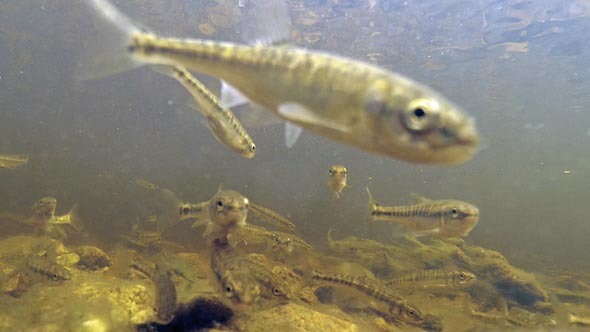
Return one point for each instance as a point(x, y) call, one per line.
point(346, 100)
point(443, 218)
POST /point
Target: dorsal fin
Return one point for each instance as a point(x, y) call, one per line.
point(419, 198)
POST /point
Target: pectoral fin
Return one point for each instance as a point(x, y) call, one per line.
point(199, 223)
point(300, 114)
point(231, 97)
point(419, 199)
point(292, 133)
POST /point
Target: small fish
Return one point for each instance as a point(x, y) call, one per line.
point(45, 207)
point(337, 179)
point(398, 308)
point(46, 267)
point(152, 240)
point(437, 218)
point(271, 217)
point(71, 219)
point(354, 245)
point(197, 211)
point(164, 290)
point(433, 279)
point(278, 288)
point(12, 161)
point(146, 184)
point(228, 209)
point(44, 216)
point(346, 100)
point(233, 275)
point(252, 234)
point(578, 320)
point(222, 123)
point(294, 239)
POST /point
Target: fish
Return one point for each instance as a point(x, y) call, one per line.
point(277, 287)
point(12, 161)
point(44, 216)
point(193, 210)
point(146, 184)
point(45, 207)
point(437, 218)
point(50, 269)
point(70, 219)
point(252, 234)
point(236, 282)
point(346, 100)
point(271, 217)
point(337, 179)
point(152, 240)
point(164, 290)
point(432, 280)
point(398, 308)
point(578, 320)
point(294, 239)
point(222, 123)
point(227, 210)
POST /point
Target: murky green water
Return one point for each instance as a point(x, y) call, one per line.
point(519, 68)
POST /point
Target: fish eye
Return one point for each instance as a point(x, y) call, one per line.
point(276, 291)
point(461, 276)
point(420, 116)
point(229, 290)
point(219, 204)
point(419, 112)
point(331, 171)
point(411, 312)
point(252, 147)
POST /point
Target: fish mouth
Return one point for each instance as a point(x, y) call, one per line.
point(445, 156)
point(235, 217)
point(247, 154)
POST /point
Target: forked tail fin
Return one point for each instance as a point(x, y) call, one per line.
point(371, 205)
point(106, 52)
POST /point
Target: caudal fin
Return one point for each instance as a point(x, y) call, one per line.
point(106, 52)
point(371, 205)
point(75, 221)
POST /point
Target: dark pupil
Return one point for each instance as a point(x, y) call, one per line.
point(461, 276)
point(411, 312)
point(454, 211)
point(418, 112)
point(228, 289)
point(220, 203)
